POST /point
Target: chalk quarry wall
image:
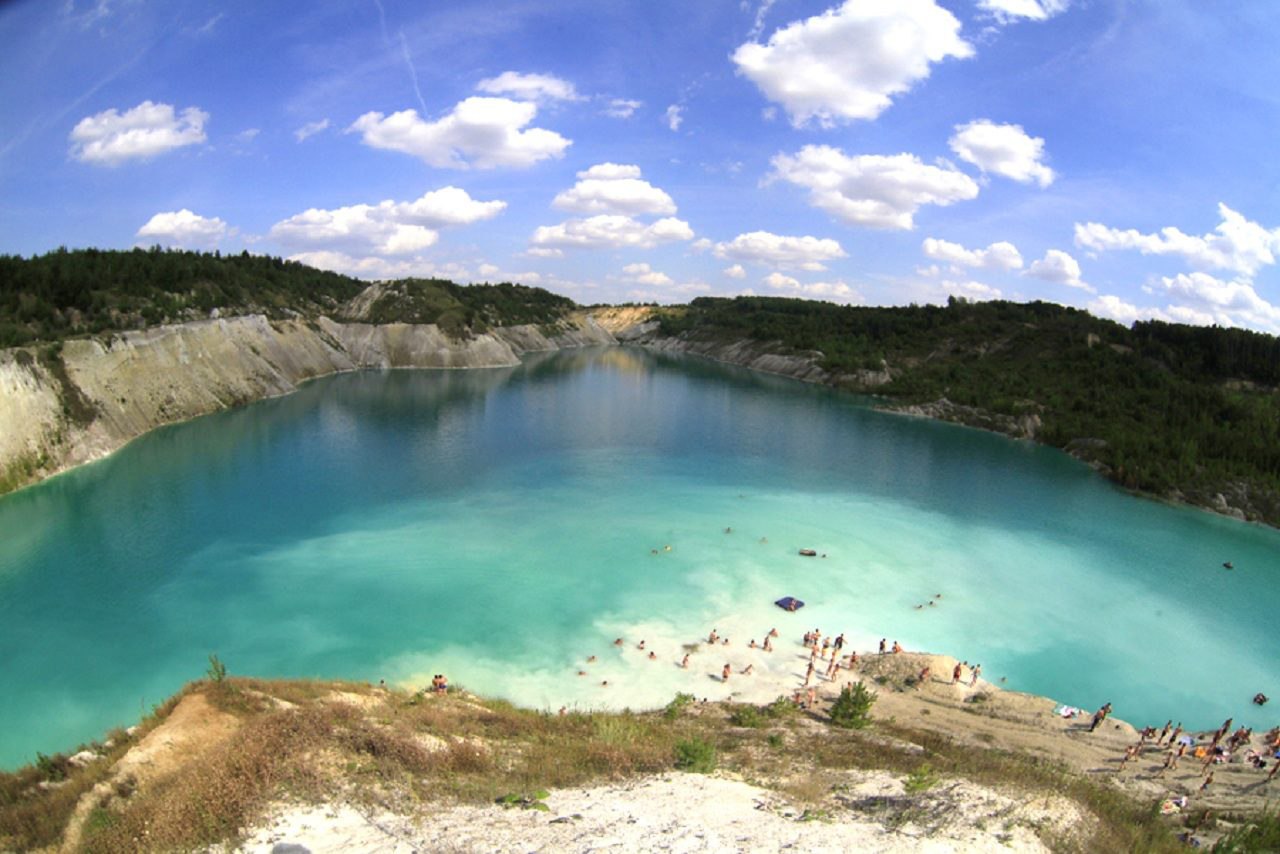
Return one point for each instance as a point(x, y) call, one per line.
point(59, 409)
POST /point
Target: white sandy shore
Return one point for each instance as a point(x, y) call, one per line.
point(678, 812)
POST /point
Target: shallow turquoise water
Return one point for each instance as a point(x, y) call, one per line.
point(499, 525)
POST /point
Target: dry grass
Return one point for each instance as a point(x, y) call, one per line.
point(398, 750)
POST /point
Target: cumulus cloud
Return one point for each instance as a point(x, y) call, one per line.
point(1113, 307)
point(998, 256)
point(1060, 268)
point(837, 291)
point(184, 228)
point(609, 231)
point(387, 228)
point(762, 247)
point(645, 275)
point(1005, 150)
point(849, 62)
point(310, 129)
point(621, 108)
point(480, 132)
point(529, 87)
point(109, 138)
point(872, 190)
point(1237, 244)
point(614, 188)
point(971, 290)
point(1232, 303)
point(1006, 11)
point(736, 271)
point(674, 116)
point(375, 267)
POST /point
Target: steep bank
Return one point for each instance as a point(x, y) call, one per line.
point(66, 404)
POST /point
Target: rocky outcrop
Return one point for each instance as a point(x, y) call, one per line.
point(65, 405)
point(1024, 426)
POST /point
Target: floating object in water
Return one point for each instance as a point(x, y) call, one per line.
point(1260, 698)
point(789, 603)
point(1228, 565)
point(809, 552)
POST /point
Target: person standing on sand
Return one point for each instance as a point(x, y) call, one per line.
point(977, 671)
point(1164, 732)
point(882, 647)
point(924, 676)
point(724, 674)
point(684, 662)
point(1100, 715)
point(768, 643)
point(1208, 780)
point(1130, 752)
point(831, 668)
point(955, 674)
point(808, 673)
point(897, 647)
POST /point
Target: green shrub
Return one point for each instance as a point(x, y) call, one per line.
point(696, 755)
point(852, 709)
point(673, 709)
point(217, 670)
point(746, 715)
point(1261, 834)
point(921, 780)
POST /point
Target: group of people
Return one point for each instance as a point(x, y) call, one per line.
point(1216, 749)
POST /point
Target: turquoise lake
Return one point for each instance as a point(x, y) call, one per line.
point(500, 525)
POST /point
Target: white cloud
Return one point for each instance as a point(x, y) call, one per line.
point(737, 271)
point(1227, 303)
point(972, 290)
point(778, 280)
point(609, 231)
point(1060, 268)
point(873, 190)
point(622, 108)
point(614, 188)
point(762, 247)
point(387, 228)
point(998, 256)
point(310, 129)
point(1237, 244)
point(529, 87)
point(849, 62)
point(1003, 150)
point(1006, 11)
point(837, 291)
point(184, 228)
point(645, 275)
point(109, 138)
point(374, 267)
point(248, 134)
point(674, 116)
point(480, 132)
point(544, 252)
point(1115, 308)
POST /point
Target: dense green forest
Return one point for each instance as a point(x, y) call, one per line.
point(1171, 409)
point(464, 309)
point(87, 291)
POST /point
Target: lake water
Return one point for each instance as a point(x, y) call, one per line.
point(500, 525)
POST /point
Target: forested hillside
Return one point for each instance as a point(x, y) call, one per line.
point(1173, 410)
point(66, 293)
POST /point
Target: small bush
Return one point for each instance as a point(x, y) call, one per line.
point(746, 716)
point(920, 780)
point(852, 709)
point(696, 755)
point(673, 709)
point(217, 670)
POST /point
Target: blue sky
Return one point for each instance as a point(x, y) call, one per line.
point(1118, 155)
